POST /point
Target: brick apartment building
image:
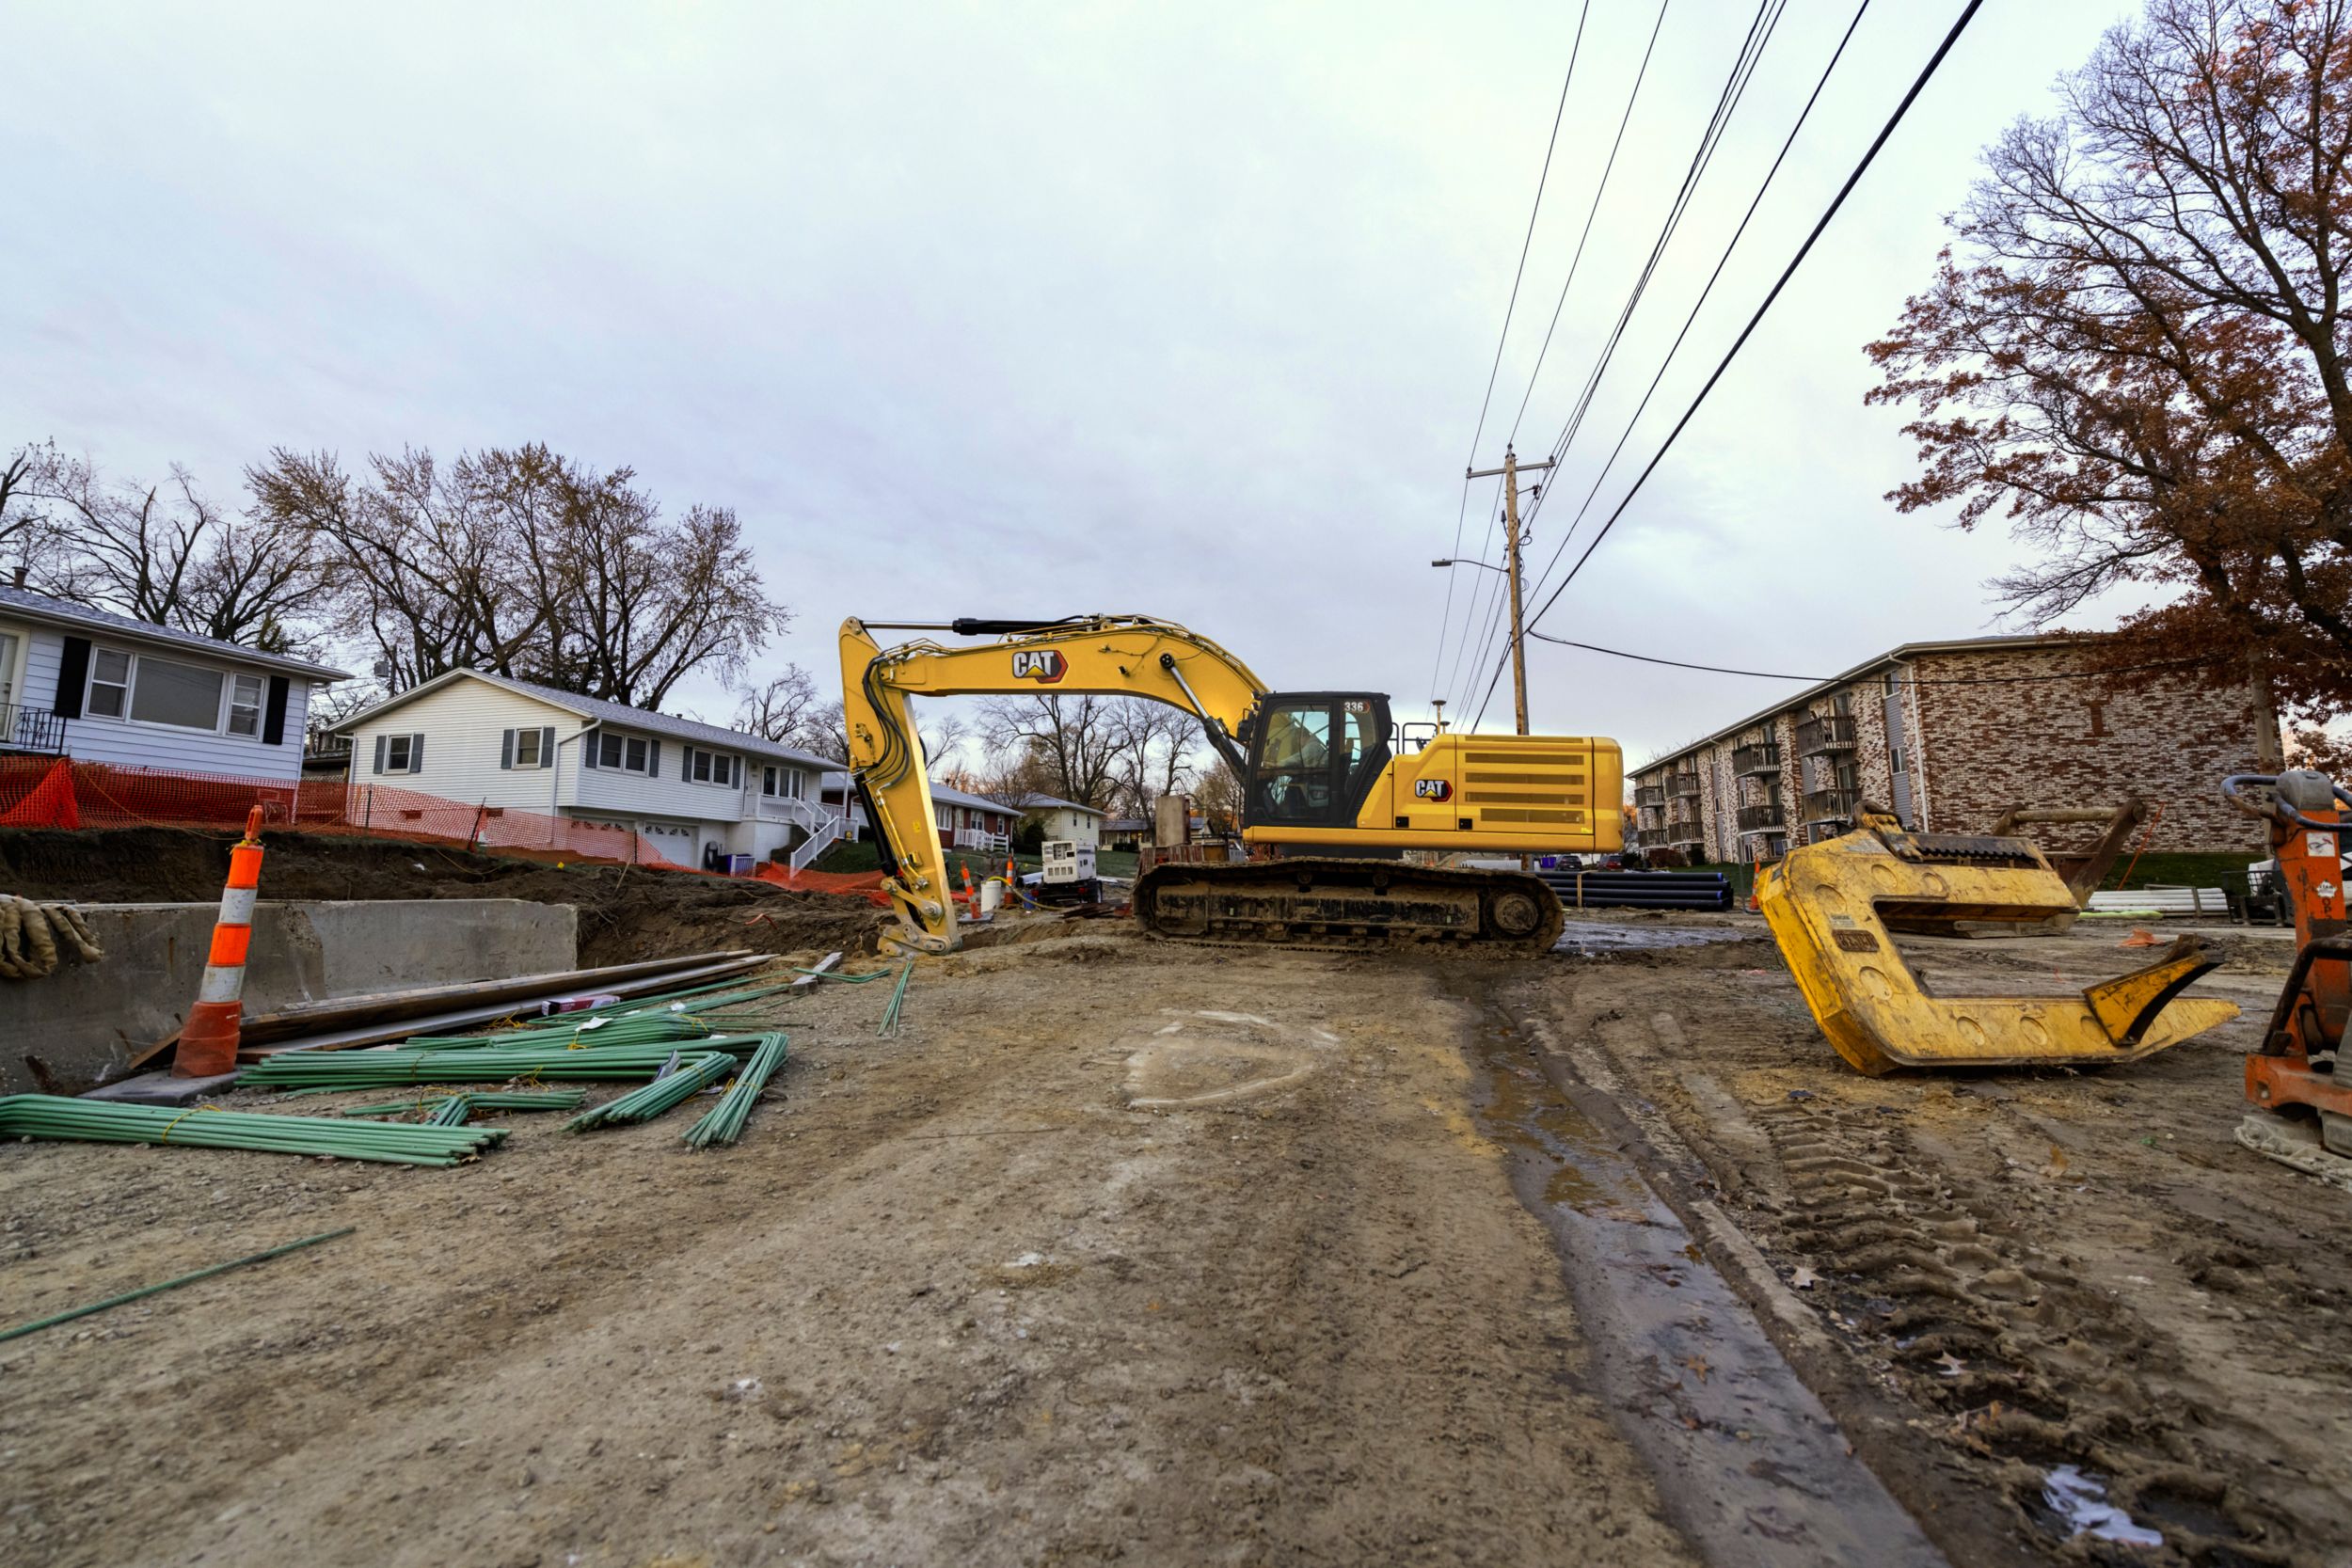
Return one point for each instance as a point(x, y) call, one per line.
point(1950, 735)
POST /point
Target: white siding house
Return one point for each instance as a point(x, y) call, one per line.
point(695, 791)
point(1065, 819)
point(102, 688)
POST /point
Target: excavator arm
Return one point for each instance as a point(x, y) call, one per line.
point(1126, 655)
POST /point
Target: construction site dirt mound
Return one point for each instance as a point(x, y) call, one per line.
point(625, 913)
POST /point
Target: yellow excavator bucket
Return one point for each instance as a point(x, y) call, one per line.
point(1834, 906)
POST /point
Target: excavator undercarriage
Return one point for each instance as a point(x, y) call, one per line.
point(1336, 902)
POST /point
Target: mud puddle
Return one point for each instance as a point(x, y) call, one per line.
point(1598, 936)
point(1752, 1465)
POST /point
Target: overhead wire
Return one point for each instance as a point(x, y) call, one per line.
point(1575, 48)
point(1698, 305)
point(1761, 27)
point(1599, 190)
point(1901, 680)
point(1886, 131)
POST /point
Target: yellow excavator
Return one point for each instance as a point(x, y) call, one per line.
point(1335, 793)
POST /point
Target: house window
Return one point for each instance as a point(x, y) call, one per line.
point(527, 747)
point(626, 753)
point(245, 704)
point(786, 784)
point(109, 684)
point(709, 767)
point(183, 696)
point(399, 753)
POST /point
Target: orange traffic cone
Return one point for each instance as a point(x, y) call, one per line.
point(208, 1040)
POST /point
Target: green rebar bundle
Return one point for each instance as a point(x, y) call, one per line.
point(723, 1124)
point(451, 1112)
point(486, 1099)
point(694, 1074)
point(61, 1118)
point(398, 1068)
point(897, 1001)
point(595, 1032)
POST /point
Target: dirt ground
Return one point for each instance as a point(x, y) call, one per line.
point(1126, 1251)
point(625, 915)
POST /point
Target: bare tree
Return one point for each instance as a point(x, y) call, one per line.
point(166, 554)
point(526, 564)
point(1151, 743)
point(824, 731)
point(28, 531)
point(1066, 738)
point(777, 707)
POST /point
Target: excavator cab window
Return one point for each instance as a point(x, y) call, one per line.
point(1315, 756)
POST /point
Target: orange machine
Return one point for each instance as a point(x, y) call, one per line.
point(2294, 1071)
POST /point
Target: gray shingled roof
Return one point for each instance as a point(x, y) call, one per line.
point(619, 715)
point(64, 612)
point(1047, 802)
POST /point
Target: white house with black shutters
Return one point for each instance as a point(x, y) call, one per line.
point(100, 688)
point(695, 790)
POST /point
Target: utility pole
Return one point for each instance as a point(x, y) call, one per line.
point(1511, 470)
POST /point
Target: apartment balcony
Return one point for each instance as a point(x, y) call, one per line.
point(1649, 795)
point(1766, 817)
point(1748, 762)
point(31, 731)
point(1830, 732)
point(1682, 814)
point(1683, 786)
point(1829, 805)
point(1682, 834)
point(1649, 838)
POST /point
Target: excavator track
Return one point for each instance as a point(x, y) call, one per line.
point(1349, 904)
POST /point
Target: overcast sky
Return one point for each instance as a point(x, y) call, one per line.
point(1034, 309)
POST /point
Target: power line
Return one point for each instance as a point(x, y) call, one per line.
point(1575, 263)
point(1698, 305)
point(1907, 680)
point(1886, 133)
point(1462, 511)
point(1760, 28)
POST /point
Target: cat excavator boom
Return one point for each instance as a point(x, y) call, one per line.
point(1334, 793)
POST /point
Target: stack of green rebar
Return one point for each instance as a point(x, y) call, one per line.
point(397, 1066)
point(595, 1032)
point(453, 1111)
point(693, 1076)
point(483, 1100)
point(62, 1119)
point(725, 1122)
point(897, 1000)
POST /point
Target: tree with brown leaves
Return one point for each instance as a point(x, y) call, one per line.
point(2137, 347)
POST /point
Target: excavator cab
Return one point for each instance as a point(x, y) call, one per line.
point(1315, 756)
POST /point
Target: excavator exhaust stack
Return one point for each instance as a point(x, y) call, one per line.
point(1834, 907)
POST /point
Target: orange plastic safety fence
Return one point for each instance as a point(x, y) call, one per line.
point(39, 792)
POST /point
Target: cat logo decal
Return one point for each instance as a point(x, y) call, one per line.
point(1042, 665)
point(1433, 789)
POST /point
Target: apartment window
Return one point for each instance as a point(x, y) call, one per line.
point(109, 684)
point(245, 704)
point(1894, 755)
point(628, 753)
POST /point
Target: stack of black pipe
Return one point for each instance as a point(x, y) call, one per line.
point(1641, 890)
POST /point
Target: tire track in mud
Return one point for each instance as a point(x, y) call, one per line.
point(2028, 1368)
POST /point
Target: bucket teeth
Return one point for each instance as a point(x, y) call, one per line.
point(1831, 906)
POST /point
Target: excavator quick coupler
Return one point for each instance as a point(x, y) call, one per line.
point(1834, 907)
